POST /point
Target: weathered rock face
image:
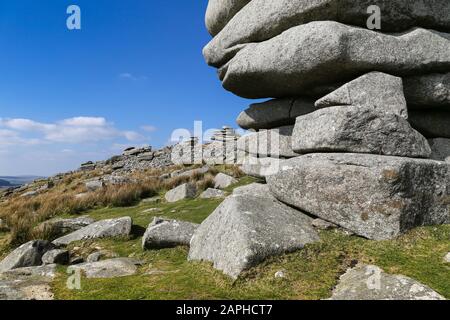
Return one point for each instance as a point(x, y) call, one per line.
point(29, 283)
point(432, 123)
point(428, 91)
point(377, 197)
point(120, 227)
point(185, 191)
point(375, 89)
point(368, 282)
point(261, 20)
point(94, 185)
point(440, 148)
point(260, 167)
point(274, 113)
point(254, 189)
point(56, 256)
point(275, 143)
point(219, 12)
point(359, 130)
point(111, 268)
point(283, 67)
point(222, 181)
point(234, 221)
point(244, 230)
point(163, 233)
point(27, 255)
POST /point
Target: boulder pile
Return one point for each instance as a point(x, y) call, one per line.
point(358, 129)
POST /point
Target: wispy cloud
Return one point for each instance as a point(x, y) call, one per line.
point(149, 128)
point(130, 76)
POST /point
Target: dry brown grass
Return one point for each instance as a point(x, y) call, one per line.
point(22, 215)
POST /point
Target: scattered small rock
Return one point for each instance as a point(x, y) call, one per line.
point(222, 181)
point(184, 191)
point(212, 193)
point(111, 268)
point(163, 233)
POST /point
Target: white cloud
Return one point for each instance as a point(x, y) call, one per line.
point(72, 130)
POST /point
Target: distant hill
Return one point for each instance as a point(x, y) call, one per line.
point(9, 181)
point(4, 183)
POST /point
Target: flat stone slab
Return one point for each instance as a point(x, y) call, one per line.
point(244, 230)
point(275, 113)
point(111, 268)
point(212, 193)
point(59, 227)
point(261, 20)
point(110, 228)
point(276, 142)
point(358, 130)
point(327, 52)
point(254, 189)
point(375, 89)
point(165, 233)
point(368, 282)
point(29, 283)
point(377, 197)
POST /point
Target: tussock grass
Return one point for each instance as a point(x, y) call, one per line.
point(22, 215)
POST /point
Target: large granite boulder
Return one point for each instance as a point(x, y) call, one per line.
point(27, 255)
point(275, 142)
point(326, 52)
point(254, 189)
point(440, 149)
point(110, 228)
point(375, 89)
point(184, 191)
point(111, 268)
point(219, 12)
point(164, 233)
point(244, 230)
point(368, 282)
point(427, 91)
point(264, 19)
point(274, 113)
point(358, 130)
point(378, 197)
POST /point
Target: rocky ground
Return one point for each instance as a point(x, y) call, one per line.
point(142, 252)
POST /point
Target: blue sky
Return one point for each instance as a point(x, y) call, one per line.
point(133, 74)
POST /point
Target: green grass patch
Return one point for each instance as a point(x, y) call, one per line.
point(311, 273)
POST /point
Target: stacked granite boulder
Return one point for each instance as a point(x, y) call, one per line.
point(345, 137)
